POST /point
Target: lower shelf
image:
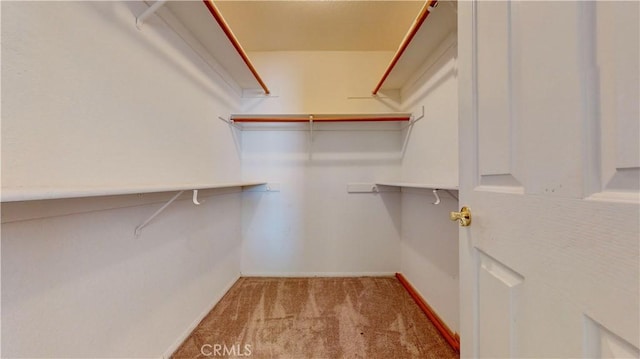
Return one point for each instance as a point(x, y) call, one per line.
point(449, 187)
point(47, 193)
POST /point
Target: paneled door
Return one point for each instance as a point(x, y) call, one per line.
point(549, 134)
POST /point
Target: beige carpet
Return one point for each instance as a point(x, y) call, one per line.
point(366, 317)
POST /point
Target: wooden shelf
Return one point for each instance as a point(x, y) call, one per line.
point(430, 29)
point(418, 185)
point(48, 193)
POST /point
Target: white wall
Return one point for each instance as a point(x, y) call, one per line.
point(88, 100)
point(81, 83)
point(429, 246)
point(82, 285)
point(431, 155)
point(313, 226)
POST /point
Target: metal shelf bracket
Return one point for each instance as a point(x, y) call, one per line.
point(150, 11)
point(155, 214)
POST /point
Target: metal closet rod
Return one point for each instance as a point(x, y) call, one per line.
point(234, 41)
point(424, 13)
point(320, 118)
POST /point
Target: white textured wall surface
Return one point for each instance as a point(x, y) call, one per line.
point(313, 226)
point(81, 286)
point(429, 250)
point(88, 100)
point(431, 155)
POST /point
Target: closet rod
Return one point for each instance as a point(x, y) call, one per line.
point(317, 118)
point(227, 31)
point(426, 10)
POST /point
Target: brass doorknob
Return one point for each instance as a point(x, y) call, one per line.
point(464, 216)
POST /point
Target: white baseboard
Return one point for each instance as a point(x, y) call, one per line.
point(194, 324)
point(317, 274)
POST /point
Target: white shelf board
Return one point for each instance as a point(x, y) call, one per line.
point(47, 193)
point(437, 27)
point(196, 19)
point(418, 185)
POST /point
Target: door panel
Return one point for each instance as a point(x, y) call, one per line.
point(549, 129)
point(494, 91)
point(601, 343)
point(498, 307)
point(618, 93)
point(547, 90)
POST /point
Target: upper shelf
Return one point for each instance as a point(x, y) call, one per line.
point(383, 121)
point(434, 23)
point(47, 193)
point(215, 36)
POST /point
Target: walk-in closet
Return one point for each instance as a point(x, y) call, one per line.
point(319, 179)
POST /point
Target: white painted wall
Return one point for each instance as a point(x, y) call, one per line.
point(313, 226)
point(431, 155)
point(429, 245)
point(81, 286)
point(429, 251)
point(80, 83)
point(87, 99)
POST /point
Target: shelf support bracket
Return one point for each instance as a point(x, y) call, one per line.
point(229, 122)
point(150, 11)
point(156, 213)
point(414, 120)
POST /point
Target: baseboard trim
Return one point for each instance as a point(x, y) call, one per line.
point(317, 274)
point(452, 338)
point(167, 354)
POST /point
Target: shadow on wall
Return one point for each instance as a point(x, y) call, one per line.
point(64, 249)
point(442, 70)
point(157, 38)
point(84, 279)
point(431, 235)
point(331, 147)
point(391, 201)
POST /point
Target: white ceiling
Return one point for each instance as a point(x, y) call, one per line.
point(319, 25)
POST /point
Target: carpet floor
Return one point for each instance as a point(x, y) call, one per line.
point(365, 317)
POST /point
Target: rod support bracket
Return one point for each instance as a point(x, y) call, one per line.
point(435, 194)
point(148, 12)
point(195, 197)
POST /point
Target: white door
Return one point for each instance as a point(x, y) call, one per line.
point(549, 128)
